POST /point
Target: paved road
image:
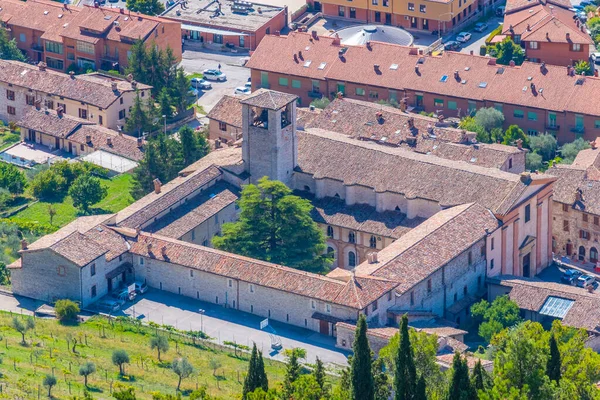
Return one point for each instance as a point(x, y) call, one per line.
point(478, 38)
point(231, 65)
point(231, 325)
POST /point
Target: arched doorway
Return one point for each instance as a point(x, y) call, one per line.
point(593, 255)
point(581, 253)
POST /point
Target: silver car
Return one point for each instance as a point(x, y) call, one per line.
point(585, 281)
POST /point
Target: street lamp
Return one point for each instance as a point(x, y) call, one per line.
point(440, 23)
point(201, 311)
point(165, 118)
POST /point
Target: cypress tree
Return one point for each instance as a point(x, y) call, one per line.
point(319, 374)
point(252, 381)
point(405, 377)
point(263, 380)
point(479, 377)
point(554, 363)
point(360, 368)
point(420, 392)
point(291, 374)
point(460, 385)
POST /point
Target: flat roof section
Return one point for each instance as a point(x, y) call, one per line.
point(227, 14)
point(110, 161)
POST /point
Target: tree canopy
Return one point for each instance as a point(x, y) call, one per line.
point(508, 51)
point(9, 49)
point(148, 7)
point(494, 317)
point(85, 191)
point(569, 151)
point(275, 226)
point(360, 366)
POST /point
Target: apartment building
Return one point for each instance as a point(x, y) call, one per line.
point(88, 37)
point(426, 15)
point(548, 33)
point(98, 98)
point(537, 97)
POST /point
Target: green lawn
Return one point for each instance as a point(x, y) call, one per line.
point(118, 197)
point(23, 367)
point(8, 138)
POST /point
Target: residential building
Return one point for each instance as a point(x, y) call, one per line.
point(225, 120)
point(89, 37)
point(476, 222)
point(98, 98)
point(239, 24)
point(576, 213)
point(426, 15)
point(537, 97)
point(548, 33)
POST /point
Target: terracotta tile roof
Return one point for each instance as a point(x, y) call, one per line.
point(196, 211)
point(50, 123)
point(575, 177)
point(228, 110)
point(92, 89)
point(439, 327)
point(431, 245)
point(335, 156)
point(447, 360)
point(479, 78)
point(226, 157)
point(531, 294)
point(361, 217)
point(79, 249)
point(153, 204)
point(269, 99)
point(276, 54)
point(351, 294)
point(515, 5)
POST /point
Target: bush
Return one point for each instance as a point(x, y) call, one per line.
point(66, 310)
point(320, 103)
point(86, 190)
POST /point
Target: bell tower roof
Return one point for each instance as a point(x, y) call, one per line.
point(269, 99)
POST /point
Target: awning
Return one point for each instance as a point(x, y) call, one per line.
point(326, 317)
point(118, 271)
point(211, 30)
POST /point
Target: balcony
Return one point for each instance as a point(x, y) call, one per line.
point(552, 127)
point(577, 129)
point(315, 95)
point(108, 57)
point(37, 47)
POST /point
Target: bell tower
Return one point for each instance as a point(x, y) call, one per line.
point(270, 146)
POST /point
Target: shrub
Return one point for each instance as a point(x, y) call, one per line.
point(66, 310)
point(86, 190)
point(320, 103)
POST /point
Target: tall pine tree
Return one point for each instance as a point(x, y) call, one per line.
point(262, 374)
point(291, 374)
point(360, 368)
point(479, 377)
point(253, 378)
point(460, 384)
point(405, 377)
point(554, 363)
point(421, 390)
point(319, 374)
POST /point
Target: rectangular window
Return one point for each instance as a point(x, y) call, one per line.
point(54, 47)
point(531, 116)
point(92, 269)
point(374, 306)
point(452, 105)
point(386, 3)
point(393, 96)
point(229, 283)
point(328, 308)
point(341, 88)
point(565, 207)
point(429, 286)
point(579, 121)
point(576, 47)
point(313, 304)
point(492, 263)
point(566, 225)
point(251, 288)
point(552, 120)
point(412, 298)
point(29, 100)
point(423, 8)
point(54, 63)
point(518, 113)
point(94, 293)
point(283, 81)
point(527, 213)
point(341, 11)
point(584, 235)
point(374, 2)
point(517, 39)
point(492, 244)
point(85, 47)
point(411, 6)
point(191, 273)
point(11, 110)
point(596, 221)
point(122, 114)
point(585, 217)
point(360, 91)
point(222, 126)
point(472, 107)
point(597, 124)
point(498, 107)
point(82, 113)
point(63, 106)
point(10, 95)
point(533, 45)
point(22, 37)
point(296, 84)
point(50, 104)
point(70, 56)
point(373, 95)
point(100, 120)
point(141, 260)
point(470, 258)
point(438, 103)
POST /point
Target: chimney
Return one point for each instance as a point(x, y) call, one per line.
point(547, 36)
point(88, 138)
point(122, 10)
point(593, 144)
point(38, 104)
point(133, 84)
point(376, 67)
point(417, 69)
point(295, 58)
point(217, 144)
point(113, 85)
point(532, 86)
point(96, 4)
point(568, 35)
point(568, 70)
point(72, 74)
point(525, 178)
point(596, 73)
point(578, 195)
point(314, 35)
point(456, 75)
point(109, 141)
point(163, 251)
point(528, 27)
point(379, 116)
point(140, 142)
point(372, 258)
point(149, 247)
point(157, 185)
point(300, 55)
point(519, 144)
point(341, 53)
point(65, 6)
point(411, 122)
point(129, 76)
point(441, 118)
point(368, 44)
point(336, 40)
point(24, 244)
point(403, 105)
point(340, 95)
point(277, 33)
point(512, 63)
point(543, 67)
point(471, 52)
point(42, 66)
point(59, 112)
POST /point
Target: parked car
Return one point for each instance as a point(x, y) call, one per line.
point(248, 85)
point(585, 281)
point(480, 27)
point(242, 90)
point(452, 46)
point(214, 75)
point(123, 296)
point(200, 83)
point(570, 276)
point(109, 306)
point(463, 37)
point(141, 287)
point(578, 7)
point(500, 11)
point(596, 58)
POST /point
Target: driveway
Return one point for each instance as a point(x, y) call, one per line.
point(225, 324)
point(478, 38)
point(195, 60)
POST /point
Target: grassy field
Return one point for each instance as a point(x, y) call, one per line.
point(118, 197)
point(23, 367)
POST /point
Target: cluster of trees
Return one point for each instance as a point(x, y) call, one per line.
point(148, 7)
point(275, 226)
point(9, 49)
point(12, 179)
point(505, 52)
point(75, 179)
point(156, 67)
point(165, 156)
